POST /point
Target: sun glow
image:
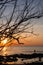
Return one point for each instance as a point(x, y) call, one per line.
point(4, 51)
point(4, 41)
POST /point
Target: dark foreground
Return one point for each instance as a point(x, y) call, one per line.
point(14, 58)
point(33, 63)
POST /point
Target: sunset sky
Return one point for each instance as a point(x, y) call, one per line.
point(31, 40)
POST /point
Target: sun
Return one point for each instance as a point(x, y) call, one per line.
point(4, 41)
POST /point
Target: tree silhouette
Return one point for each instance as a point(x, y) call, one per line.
point(16, 15)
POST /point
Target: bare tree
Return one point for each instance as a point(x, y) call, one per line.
point(16, 15)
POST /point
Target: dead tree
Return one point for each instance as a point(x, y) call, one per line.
point(16, 16)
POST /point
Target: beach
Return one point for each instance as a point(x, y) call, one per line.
point(22, 55)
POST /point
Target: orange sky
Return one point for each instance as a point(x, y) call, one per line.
point(32, 40)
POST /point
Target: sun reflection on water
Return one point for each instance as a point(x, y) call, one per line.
point(4, 51)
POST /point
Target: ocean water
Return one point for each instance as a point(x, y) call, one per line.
point(22, 50)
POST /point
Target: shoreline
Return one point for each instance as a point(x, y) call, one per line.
point(14, 58)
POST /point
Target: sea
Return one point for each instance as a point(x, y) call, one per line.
point(22, 50)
